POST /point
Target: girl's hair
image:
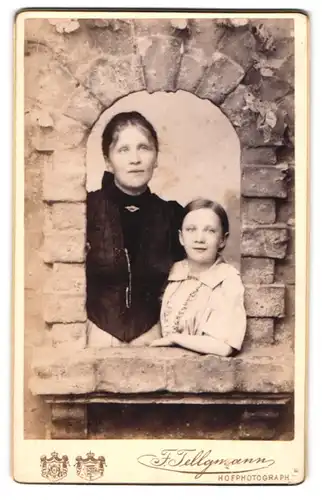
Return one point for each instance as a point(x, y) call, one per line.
point(121, 121)
point(214, 206)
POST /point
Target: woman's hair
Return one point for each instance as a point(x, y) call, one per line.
point(214, 206)
point(121, 121)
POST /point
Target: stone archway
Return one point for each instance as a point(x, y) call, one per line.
point(84, 66)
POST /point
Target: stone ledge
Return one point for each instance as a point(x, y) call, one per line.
point(163, 398)
point(144, 370)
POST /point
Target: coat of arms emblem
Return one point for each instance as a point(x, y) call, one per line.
point(54, 468)
point(90, 468)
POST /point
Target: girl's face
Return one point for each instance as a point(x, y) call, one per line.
point(132, 158)
point(202, 236)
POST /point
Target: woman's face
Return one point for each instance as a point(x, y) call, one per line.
point(132, 159)
point(202, 236)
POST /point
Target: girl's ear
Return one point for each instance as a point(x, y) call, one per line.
point(180, 237)
point(223, 241)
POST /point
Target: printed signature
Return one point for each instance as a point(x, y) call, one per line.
point(200, 462)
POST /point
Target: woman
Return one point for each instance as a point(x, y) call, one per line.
point(132, 238)
point(203, 304)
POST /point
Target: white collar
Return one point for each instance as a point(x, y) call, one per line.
point(212, 277)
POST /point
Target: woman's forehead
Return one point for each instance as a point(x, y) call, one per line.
point(132, 133)
point(202, 216)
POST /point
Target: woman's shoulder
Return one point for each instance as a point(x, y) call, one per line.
point(93, 196)
point(171, 205)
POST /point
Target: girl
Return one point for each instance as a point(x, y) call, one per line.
point(203, 304)
point(132, 238)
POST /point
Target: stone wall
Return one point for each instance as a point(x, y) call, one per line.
point(74, 70)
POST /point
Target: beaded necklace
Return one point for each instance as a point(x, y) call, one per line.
point(168, 310)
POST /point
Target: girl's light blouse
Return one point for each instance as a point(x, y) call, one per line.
point(212, 304)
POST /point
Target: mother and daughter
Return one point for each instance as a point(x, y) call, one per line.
point(155, 273)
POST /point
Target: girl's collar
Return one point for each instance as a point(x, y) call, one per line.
point(212, 277)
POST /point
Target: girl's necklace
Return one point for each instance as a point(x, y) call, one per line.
point(175, 327)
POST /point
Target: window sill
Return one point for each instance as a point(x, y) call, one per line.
point(132, 371)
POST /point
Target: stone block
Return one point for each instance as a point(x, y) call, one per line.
point(64, 246)
point(259, 210)
point(251, 135)
point(198, 50)
point(64, 177)
point(285, 331)
point(245, 111)
point(221, 78)
point(130, 375)
point(64, 186)
point(33, 177)
point(68, 334)
point(285, 269)
point(260, 332)
point(240, 46)
point(264, 241)
point(65, 216)
point(205, 35)
point(67, 412)
point(72, 160)
point(272, 373)
point(112, 36)
point(83, 107)
point(65, 133)
point(192, 69)
point(58, 372)
point(160, 59)
point(201, 374)
point(110, 78)
point(234, 107)
point(273, 89)
point(66, 278)
point(258, 156)
point(286, 210)
point(64, 308)
point(286, 71)
point(265, 301)
point(68, 421)
point(264, 181)
point(257, 271)
point(286, 207)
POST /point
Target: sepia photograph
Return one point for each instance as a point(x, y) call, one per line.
point(159, 277)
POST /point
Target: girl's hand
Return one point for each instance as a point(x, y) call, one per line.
point(163, 342)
